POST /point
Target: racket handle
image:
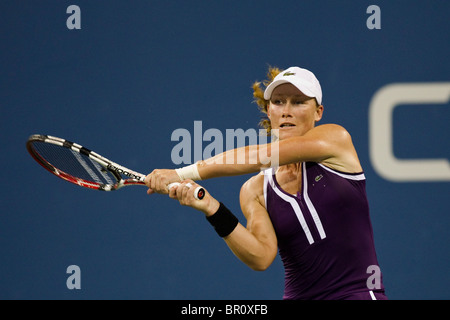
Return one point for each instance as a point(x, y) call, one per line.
point(199, 192)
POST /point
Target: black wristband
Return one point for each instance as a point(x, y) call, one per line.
point(223, 221)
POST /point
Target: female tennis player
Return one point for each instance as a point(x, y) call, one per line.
point(308, 201)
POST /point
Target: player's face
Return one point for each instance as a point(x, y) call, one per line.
point(292, 112)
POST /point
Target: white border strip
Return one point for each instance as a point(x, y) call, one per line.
point(356, 177)
point(296, 207)
point(311, 207)
point(267, 173)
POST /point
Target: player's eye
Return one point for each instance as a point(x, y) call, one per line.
point(277, 101)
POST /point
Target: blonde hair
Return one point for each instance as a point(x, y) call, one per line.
point(258, 95)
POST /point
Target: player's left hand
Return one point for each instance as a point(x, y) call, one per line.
point(158, 180)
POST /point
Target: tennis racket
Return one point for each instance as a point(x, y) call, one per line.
point(81, 166)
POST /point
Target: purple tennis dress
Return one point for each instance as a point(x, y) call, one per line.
point(325, 236)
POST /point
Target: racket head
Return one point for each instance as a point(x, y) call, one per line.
point(78, 165)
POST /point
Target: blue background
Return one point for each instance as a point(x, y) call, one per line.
point(138, 70)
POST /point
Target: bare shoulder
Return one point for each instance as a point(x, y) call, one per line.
point(331, 131)
point(337, 139)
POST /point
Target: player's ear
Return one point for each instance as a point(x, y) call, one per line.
point(268, 111)
point(319, 113)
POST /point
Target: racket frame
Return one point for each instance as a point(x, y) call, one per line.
point(135, 178)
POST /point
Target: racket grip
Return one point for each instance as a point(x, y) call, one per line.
point(199, 192)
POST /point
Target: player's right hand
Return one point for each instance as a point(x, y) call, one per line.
point(158, 180)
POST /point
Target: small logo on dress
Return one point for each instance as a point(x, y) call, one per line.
point(318, 177)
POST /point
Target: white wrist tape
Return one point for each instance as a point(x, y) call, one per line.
point(188, 172)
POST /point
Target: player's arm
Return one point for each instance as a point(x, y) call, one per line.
point(328, 144)
point(255, 244)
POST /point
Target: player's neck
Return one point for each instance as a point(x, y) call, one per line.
point(292, 168)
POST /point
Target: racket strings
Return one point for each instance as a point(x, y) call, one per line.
point(74, 163)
